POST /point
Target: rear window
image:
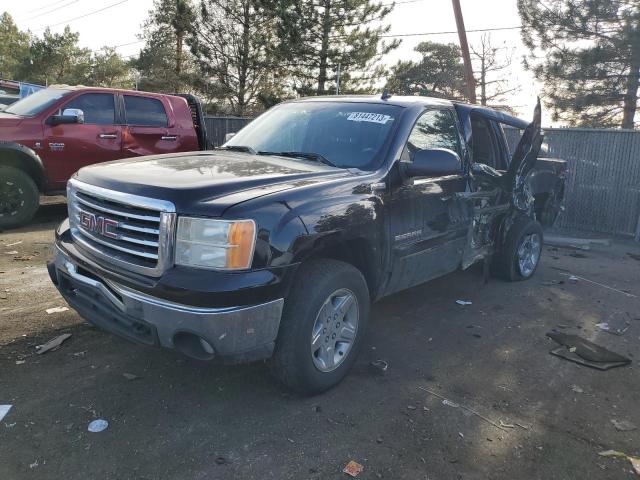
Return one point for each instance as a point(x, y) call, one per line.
point(143, 111)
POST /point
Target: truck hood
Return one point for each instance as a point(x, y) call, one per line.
point(207, 183)
point(9, 120)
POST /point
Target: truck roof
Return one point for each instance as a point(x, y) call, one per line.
point(409, 101)
point(74, 88)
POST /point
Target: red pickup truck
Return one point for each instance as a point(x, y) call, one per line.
point(47, 136)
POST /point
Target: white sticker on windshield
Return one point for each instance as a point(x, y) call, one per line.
point(368, 117)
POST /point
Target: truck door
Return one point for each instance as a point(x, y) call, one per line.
point(428, 223)
point(72, 146)
point(147, 130)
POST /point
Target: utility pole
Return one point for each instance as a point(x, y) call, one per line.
point(464, 46)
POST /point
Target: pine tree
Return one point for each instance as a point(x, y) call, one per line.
point(316, 37)
point(230, 45)
point(14, 47)
point(164, 63)
point(438, 74)
point(587, 54)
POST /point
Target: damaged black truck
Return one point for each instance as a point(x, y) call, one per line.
point(274, 246)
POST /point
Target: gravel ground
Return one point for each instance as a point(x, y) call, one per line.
point(182, 420)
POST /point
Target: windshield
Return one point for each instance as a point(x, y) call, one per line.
point(36, 102)
point(348, 135)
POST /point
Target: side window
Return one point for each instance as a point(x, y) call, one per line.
point(434, 129)
point(98, 108)
point(144, 111)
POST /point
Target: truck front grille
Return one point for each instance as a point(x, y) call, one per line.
point(125, 230)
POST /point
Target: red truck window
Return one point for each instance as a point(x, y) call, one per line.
point(98, 108)
point(143, 111)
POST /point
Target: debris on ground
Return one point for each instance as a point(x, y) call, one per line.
point(635, 461)
point(577, 349)
point(575, 278)
point(577, 389)
point(4, 409)
point(13, 244)
point(635, 256)
point(506, 425)
point(34, 464)
point(577, 255)
point(380, 366)
point(220, 461)
point(52, 344)
point(130, 376)
point(97, 426)
point(56, 310)
point(20, 362)
point(616, 325)
point(23, 258)
point(456, 405)
point(623, 425)
point(463, 302)
point(353, 469)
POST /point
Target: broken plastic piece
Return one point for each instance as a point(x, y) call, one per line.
point(463, 302)
point(56, 310)
point(52, 344)
point(98, 426)
point(4, 409)
point(353, 469)
point(586, 349)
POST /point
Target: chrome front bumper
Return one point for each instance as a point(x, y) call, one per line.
point(234, 333)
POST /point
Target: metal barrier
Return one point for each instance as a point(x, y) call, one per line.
point(218, 127)
point(603, 185)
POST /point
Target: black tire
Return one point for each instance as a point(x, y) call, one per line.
point(19, 197)
point(292, 363)
point(505, 264)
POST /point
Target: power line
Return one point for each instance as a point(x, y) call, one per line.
point(453, 31)
point(82, 16)
point(127, 44)
point(46, 6)
point(50, 11)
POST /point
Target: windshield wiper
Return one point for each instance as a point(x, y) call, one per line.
point(306, 155)
point(239, 148)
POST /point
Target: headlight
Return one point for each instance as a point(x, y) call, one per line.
point(215, 244)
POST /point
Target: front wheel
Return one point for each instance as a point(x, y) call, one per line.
point(520, 254)
point(322, 328)
point(19, 197)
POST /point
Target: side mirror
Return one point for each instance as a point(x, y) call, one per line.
point(229, 136)
point(69, 115)
point(434, 162)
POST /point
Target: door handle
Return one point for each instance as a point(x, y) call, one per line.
point(171, 138)
point(108, 135)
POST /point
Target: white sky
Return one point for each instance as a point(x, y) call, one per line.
point(121, 23)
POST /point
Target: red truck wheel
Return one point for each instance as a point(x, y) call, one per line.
point(19, 197)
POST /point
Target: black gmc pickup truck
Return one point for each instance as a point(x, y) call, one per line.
point(275, 245)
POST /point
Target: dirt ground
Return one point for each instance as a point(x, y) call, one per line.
point(182, 420)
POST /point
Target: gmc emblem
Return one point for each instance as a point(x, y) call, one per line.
point(103, 226)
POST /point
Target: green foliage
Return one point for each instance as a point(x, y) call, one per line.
point(587, 55)
point(56, 58)
point(108, 69)
point(14, 47)
point(315, 36)
point(164, 65)
point(439, 73)
point(230, 45)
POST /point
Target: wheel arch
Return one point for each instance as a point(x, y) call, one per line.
point(23, 158)
point(358, 252)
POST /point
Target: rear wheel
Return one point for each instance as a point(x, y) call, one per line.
point(19, 197)
point(322, 327)
point(521, 251)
